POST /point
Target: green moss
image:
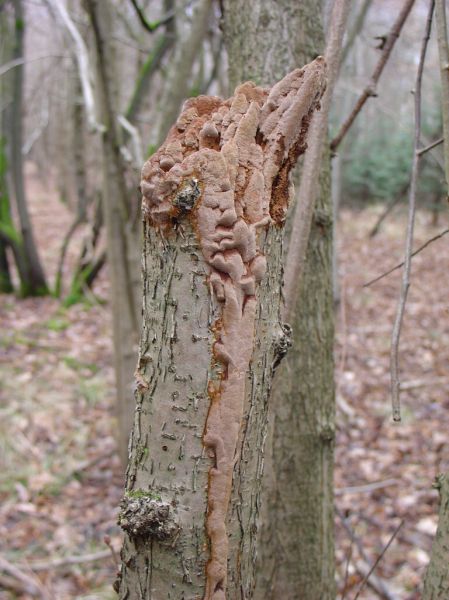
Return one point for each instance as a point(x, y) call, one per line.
point(143, 494)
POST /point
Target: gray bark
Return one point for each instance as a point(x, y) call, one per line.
point(436, 583)
point(296, 556)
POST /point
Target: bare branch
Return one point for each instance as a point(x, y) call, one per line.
point(414, 253)
point(374, 581)
point(396, 334)
point(377, 561)
point(84, 69)
point(355, 29)
point(367, 487)
point(29, 583)
point(148, 25)
point(57, 563)
point(308, 188)
point(370, 89)
point(137, 142)
point(443, 52)
point(430, 146)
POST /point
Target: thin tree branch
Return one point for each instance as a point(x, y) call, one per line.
point(57, 563)
point(30, 584)
point(308, 188)
point(414, 253)
point(396, 334)
point(443, 53)
point(137, 142)
point(148, 70)
point(377, 561)
point(148, 25)
point(374, 581)
point(370, 89)
point(82, 58)
point(17, 62)
point(430, 146)
point(355, 30)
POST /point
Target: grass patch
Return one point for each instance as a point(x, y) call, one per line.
point(78, 365)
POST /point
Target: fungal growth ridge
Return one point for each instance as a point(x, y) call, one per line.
point(225, 167)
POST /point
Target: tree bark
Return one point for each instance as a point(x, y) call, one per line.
point(215, 197)
point(296, 556)
point(436, 583)
point(35, 283)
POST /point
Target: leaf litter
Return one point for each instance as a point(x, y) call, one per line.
point(61, 480)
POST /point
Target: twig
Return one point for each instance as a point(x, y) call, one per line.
point(430, 146)
point(107, 541)
point(370, 89)
point(376, 582)
point(396, 333)
point(355, 30)
point(57, 563)
point(308, 187)
point(151, 26)
point(414, 253)
point(378, 559)
point(443, 53)
point(418, 383)
point(391, 205)
point(16, 62)
point(30, 584)
point(368, 487)
point(137, 142)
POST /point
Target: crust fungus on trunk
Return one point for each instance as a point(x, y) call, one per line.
point(214, 197)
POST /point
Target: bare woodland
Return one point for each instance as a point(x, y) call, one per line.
point(224, 357)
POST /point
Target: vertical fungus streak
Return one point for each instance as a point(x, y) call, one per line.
point(224, 167)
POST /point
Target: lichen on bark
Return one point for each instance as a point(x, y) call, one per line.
point(215, 195)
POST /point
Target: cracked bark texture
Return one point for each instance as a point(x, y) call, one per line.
point(296, 556)
point(215, 198)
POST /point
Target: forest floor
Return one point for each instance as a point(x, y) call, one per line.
point(60, 477)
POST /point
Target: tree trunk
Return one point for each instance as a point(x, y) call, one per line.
point(35, 283)
point(215, 197)
point(123, 243)
point(178, 82)
point(296, 558)
point(436, 583)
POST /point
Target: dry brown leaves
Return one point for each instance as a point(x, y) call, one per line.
point(60, 481)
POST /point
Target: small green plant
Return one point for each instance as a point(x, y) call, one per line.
point(57, 324)
point(77, 365)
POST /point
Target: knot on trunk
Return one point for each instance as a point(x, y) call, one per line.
point(187, 196)
point(143, 516)
point(282, 343)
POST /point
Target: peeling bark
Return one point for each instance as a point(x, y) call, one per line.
point(215, 198)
